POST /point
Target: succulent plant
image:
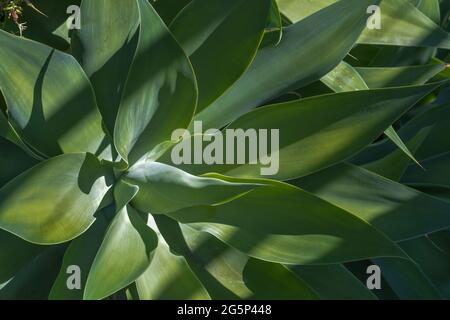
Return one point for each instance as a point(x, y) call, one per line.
point(89, 187)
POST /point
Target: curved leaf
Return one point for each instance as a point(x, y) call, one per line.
point(407, 280)
point(50, 100)
point(8, 132)
point(168, 9)
point(218, 266)
point(15, 253)
point(333, 282)
point(207, 28)
point(169, 277)
point(13, 161)
point(106, 54)
point(288, 225)
point(393, 165)
point(402, 24)
point(353, 120)
point(414, 28)
point(54, 201)
point(125, 253)
point(160, 93)
point(346, 78)
point(49, 26)
point(398, 211)
point(432, 260)
point(399, 76)
point(433, 118)
point(165, 189)
point(260, 278)
point(436, 173)
point(42, 271)
point(337, 28)
point(81, 252)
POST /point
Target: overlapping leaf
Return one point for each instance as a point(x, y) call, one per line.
point(292, 64)
point(49, 98)
point(56, 200)
point(207, 28)
point(160, 93)
point(288, 225)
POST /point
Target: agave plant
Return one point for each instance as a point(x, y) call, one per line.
point(88, 186)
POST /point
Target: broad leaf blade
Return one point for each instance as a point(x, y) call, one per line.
point(106, 54)
point(125, 253)
point(271, 281)
point(398, 211)
point(336, 27)
point(50, 100)
point(206, 29)
point(62, 195)
point(81, 253)
point(288, 225)
point(309, 141)
point(160, 93)
point(165, 189)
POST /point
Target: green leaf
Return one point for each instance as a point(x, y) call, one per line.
point(125, 253)
point(106, 54)
point(346, 78)
point(124, 193)
point(13, 161)
point(168, 9)
point(81, 252)
point(393, 165)
point(436, 173)
point(54, 201)
point(436, 191)
point(218, 266)
point(49, 26)
point(402, 24)
point(41, 272)
point(433, 118)
point(50, 100)
point(271, 281)
point(333, 282)
point(396, 210)
point(436, 142)
point(296, 10)
point(394, 137)
point(295, 58)
point(288, 225)
point(433, 260)
point(274, 25)
point(165, 189)
point(399, 76)
point(169, 277)
point(8, 132)
point(430, 8)
point(15, 253)
point(412, 29)
point(394, 57)
point(353, 120)
point(206, 28)
point(407, 280)
point(160, 93)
